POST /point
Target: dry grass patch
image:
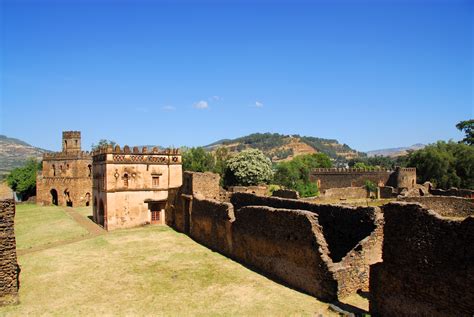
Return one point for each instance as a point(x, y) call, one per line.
point(151, 270)
point(37, 226)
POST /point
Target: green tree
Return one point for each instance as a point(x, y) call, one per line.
point(221, 157)
point(102, 143)
point(22, 180)
point(295, 174)
point(445, 164)
point(197, 159)
point(468, 128)
point(249, 167)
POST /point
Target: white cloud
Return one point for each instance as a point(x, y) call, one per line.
point(258, 104)
point(215, 98)
point(201, 105)
point(168, 108)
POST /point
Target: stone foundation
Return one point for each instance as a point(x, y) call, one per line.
point(9, 269)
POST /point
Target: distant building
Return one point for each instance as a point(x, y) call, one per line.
point(327, 178)
point(130, 188)
point(66, 176)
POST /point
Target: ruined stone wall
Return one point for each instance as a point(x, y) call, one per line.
point(467, 193)
point(211, 224)
point(344, 193)
point(285, 244)
point(286, 193)
point(445, 205)
point(206, 184)
point(9, 269)
point(387, 192)
point(427, 267)
point(256, 190)
point(343, 226)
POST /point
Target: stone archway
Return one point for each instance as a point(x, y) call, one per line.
point(67, 198)
point(88, 199)
point(54, 196)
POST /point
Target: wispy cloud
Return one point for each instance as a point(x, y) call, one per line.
point(168, 108)
point(258, 104)
point(215, 98)
point(201, 105)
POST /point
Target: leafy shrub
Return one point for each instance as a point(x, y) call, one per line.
point(249, 167)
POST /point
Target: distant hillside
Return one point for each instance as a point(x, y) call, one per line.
point(284, 147)
point(394, 152)
point(14, 153)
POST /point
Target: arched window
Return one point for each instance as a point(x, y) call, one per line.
point(90, 170)
point(54, 170)
point(125, 180)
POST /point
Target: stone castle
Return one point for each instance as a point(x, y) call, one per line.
point(413, 257)
point(66, 176)
point(131, 187)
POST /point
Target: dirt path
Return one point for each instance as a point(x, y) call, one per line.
point(92, 229)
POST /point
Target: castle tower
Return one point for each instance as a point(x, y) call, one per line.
point(71, 141)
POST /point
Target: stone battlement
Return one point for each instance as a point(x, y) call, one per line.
point(135, 150)
point(71, 134)
point(349, 170)
point(64, 155)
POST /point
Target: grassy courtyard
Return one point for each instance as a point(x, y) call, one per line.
point(151, 270)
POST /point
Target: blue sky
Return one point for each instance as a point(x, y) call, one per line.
point(372, 74)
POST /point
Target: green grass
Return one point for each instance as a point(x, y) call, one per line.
point(38, 226)
point(151, 270)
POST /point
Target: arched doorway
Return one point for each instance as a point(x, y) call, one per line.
point(67, 198)
point(54, 196)
point(88, 199)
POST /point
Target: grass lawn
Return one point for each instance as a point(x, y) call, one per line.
point(151, 270)
point(37, 226)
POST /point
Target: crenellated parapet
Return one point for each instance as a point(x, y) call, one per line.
point(65, 156)
point(71, 134)
point(116, 154)
point(350, 170)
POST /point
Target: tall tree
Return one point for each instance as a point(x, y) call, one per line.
point(22, 180)
point(197, 159)
point(468, 128)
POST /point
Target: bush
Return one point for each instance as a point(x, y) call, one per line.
point(249, 167)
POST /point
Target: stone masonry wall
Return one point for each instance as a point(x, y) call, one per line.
point(9, 269)
point(427, 267)
point(453, 192)
point(344, 193)
point(445, 205)
point(286, 193)
point(285, 244)
point(211, 224)
point(343, 226)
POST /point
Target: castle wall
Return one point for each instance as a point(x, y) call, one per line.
point(327, 178)
point(427, 265)
point(211, 222)
point(266, 232)
point(9, 269)
point(287, 245)
point(444, 205)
